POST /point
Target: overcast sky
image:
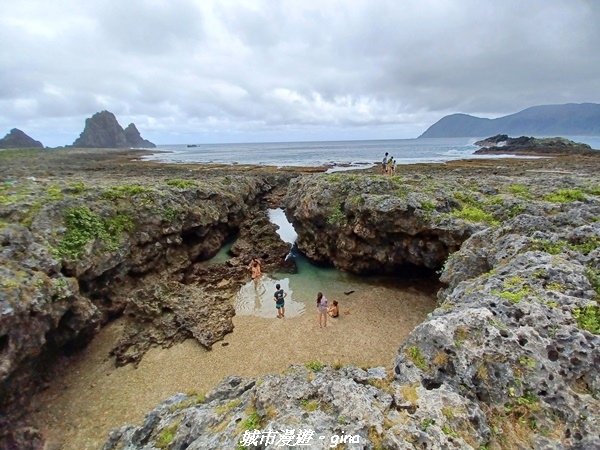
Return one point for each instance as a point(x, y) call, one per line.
point(192, 71)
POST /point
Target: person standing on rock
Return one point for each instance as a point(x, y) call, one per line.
point(322, 309)
point(279, 298)
point(384, 163)
point(390, 166)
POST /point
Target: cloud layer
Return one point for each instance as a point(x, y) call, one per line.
point(208, 70)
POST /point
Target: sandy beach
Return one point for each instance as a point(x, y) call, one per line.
point(89, 396)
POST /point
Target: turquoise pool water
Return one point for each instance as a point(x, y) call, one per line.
point(302, 287)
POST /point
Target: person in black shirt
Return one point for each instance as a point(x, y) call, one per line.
point(279, 297)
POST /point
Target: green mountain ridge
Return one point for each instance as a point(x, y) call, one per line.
point(573, 119)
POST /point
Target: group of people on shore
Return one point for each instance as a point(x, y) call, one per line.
point(388, 165)
point(323, 307)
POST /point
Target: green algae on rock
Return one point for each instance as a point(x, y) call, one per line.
point(508, 359)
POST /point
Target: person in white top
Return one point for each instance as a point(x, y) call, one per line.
point(322, 308)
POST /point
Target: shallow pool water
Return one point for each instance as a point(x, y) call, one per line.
point(303, 286)
point(257, 299)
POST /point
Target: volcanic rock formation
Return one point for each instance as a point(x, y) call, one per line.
point(502, 144)
point(73, 255)
point(508, 360)
point(134, 138)
point(103, 131)
point(17, 139)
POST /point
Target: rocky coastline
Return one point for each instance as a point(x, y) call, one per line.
point(507, 360)
point(75, 254)
point(501, 144)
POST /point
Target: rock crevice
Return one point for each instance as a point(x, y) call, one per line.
point(508, 360)
point(89, 255)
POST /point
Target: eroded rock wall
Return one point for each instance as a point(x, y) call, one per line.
point(72, 256)
point(508, 360)
point(367, 224)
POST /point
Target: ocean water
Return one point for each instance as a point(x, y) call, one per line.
point(331, 153)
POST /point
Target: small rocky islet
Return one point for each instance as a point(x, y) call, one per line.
point(508, 359)
point(102, 130)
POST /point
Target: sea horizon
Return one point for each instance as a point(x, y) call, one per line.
point(332, 153)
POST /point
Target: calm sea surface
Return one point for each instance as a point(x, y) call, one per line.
point(332, 153)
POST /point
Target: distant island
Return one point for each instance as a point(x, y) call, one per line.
point(574, 119)
point(18, 139)
point(103, 131)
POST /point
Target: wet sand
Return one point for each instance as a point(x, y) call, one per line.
point(89, 396)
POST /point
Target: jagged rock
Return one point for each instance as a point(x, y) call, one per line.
point(17, 139)
point(502, 144)
point(258, 238)
point(508, 337)
point(169, 313)
point(134, 138)
point(508, 360)
point(326, 402)
point(40, 311)
point(69, 263)
point(361, 224)
point(103, 131)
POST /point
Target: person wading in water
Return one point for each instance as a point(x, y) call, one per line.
point(255, 270)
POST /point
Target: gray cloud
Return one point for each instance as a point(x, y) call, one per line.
point(251, 70)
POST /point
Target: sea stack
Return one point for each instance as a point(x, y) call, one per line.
point(103, 131)
point(134, 138)
point(17, 139)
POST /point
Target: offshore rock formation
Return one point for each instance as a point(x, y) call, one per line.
point(508, 360)
point(502, 144)
point(103, 131)
point(134, 138)
point(17, 139)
